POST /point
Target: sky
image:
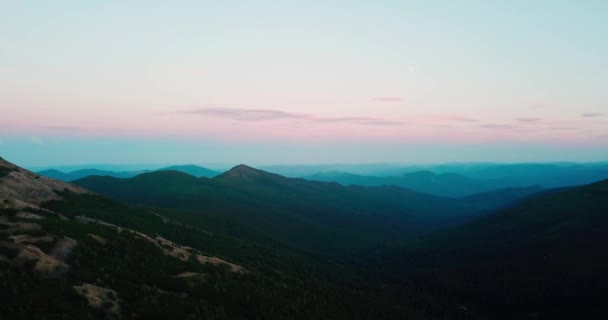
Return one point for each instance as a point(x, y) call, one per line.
point(290, 82)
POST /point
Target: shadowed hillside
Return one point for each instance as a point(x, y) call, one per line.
point(316, 216)
point(69, 254)
point(251, 244)
point(544, 258)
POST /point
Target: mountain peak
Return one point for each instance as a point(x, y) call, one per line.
point(193, 170)
point(242, 171)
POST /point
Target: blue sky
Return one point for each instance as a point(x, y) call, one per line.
point(302, 82)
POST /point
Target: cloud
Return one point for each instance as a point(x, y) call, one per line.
point(247, 114)
point(61, 128)
point(442, 126)
point(253, 115)
point(36, 140)
point(497, 126)
point(561, 128)
point(528, 119)
point(388, 99)
point(591, 115)
point(358, 120)
point(453, 117)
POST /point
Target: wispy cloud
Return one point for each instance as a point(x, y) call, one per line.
point(357, 120)
point(561, 128)
point(591, 115)
point(62, 128)
point(252, 115)
point(497, 126)
point(247, 114)
point(453, 117)
point(388, 99)
point(528, 120)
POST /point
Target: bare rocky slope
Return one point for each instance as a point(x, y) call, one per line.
point(20, 188)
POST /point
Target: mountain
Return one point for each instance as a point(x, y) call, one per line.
point(66, 253)
point(56, 174)
point(460, 180)
point(501, 198)
point(300, 171)
point(104, 167)
point(446, 180)
point(549, 175)
point(248, 244)
point(320, 217)
point(82, 173)
point(192, 170)
point(544, 258)
point(79, 174)
point(444, 184)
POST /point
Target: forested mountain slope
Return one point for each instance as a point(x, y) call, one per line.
point(69, 254)
point(319, 217)
point(545, 257)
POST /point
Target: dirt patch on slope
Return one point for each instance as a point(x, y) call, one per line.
point(97, 238)
point(170, 248)
point(12, 228)
point(45, 265)
point(26, 238)
point(217, 261)
point(29, 215)
point(100, 298)
point(63, 248)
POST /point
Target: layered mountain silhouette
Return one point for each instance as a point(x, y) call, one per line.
point(316, 216)
point(193, 170)
point(66, 253)
point(548, 175)
point(445, 184)
point(252, 244)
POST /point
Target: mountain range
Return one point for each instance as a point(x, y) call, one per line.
point(317, 216)
point(444, 184)
point(252, 244)
point(446, 180)
point(465, 180)
point(193, 170)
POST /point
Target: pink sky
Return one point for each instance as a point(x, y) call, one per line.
point(322, 72)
